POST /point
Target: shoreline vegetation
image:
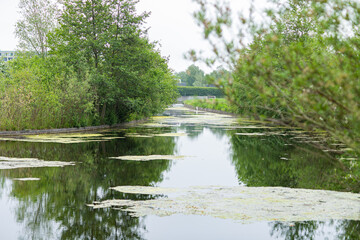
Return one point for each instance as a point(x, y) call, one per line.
point(298, 68)
point(68, 130)
point(296, 64)
point(218, 105)
point(82, 63)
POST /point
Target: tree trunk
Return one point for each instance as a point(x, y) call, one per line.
point(103, 111)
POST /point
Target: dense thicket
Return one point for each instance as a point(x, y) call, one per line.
point(301, 64)
point(37, 92)
point(100, 69)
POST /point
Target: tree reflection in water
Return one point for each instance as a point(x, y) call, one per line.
point(60, 197)
point(55, 206)
point(276, 161)
point(345, 230)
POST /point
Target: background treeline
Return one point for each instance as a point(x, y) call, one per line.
point(297, 61)
point(200, 91)
point(196, 77)
point(84, 63)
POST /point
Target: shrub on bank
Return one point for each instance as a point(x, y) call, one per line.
point(220, 104)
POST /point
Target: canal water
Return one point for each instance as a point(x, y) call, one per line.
point(214, 150)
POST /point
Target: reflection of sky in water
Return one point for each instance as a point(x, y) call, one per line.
point(210, 162)
point(12, 228)
point(199, 227)
point(9, 229)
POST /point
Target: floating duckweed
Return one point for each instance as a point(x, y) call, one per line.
point(245, 204)
point(12, 163)
point(148, 158)
point(251, 134)
point(65, 138)
point(180, 134)
point(26, 179)
point(179, 109)
point(136, 135)
point(66, 135)
point(204, 118)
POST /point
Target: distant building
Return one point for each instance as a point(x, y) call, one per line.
point(7, 55)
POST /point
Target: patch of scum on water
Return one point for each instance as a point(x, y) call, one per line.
point(65, 138)
point(26, 179)
point(180, 134)
point(245, 204)
point(13, 163)
point(148, 158)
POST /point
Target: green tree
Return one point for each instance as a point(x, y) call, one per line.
point(130, 78)
point(38, 19)
point(300, 65)
point(37, 92)
point(193, 76)
point(218, 76)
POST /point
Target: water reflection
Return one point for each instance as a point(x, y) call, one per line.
point(59, 198)
point(55, 207)
point(277, 161)
point(345, 230)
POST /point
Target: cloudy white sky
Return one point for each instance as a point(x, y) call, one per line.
point(171, 23)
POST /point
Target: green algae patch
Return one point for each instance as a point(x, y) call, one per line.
point(136, 135)
point(250, 134)
point(179, 109)
point(154, 125)
point(179, 134)
point(65, 138)
point(204, 118)
point(66, 135)
point(146, 190)
point(13, 163)
point(26, 179)
point(245, 204)
point(148, 158)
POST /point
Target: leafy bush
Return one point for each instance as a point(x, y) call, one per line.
point(109, 74)
point(33, 96)
point(219, 104)
point(302, 64)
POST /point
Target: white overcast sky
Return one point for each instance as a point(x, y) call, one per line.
point(171, 23)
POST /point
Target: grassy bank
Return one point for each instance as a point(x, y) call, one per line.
point(219, 104)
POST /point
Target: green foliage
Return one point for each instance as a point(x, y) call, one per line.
point(34, 95)
point(100, 69)
point(219, 104)
point(130, 78)
point(301, 65)
point(38, 19)
point(217, 76)
point(200, 91)
point(193, 76)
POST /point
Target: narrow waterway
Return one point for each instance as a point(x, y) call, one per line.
point(201, 154)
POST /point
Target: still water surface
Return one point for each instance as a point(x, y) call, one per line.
point(219, 154)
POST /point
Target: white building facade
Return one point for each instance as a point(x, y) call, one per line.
point(7, 55)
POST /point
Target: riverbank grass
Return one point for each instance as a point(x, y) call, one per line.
point(220, 104)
